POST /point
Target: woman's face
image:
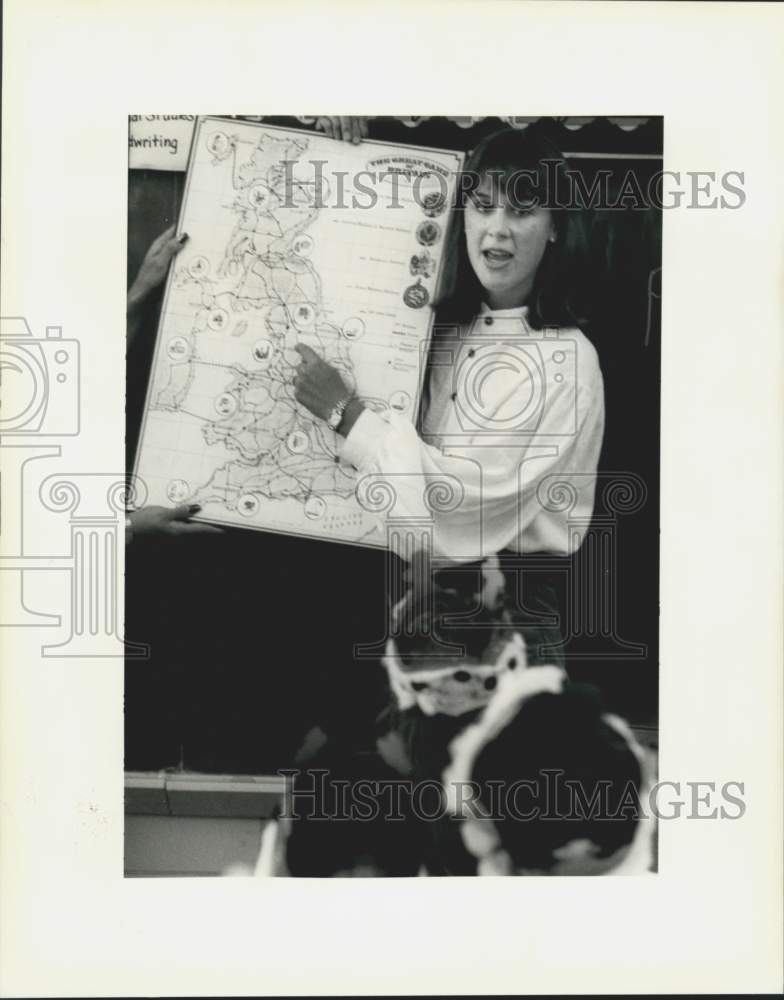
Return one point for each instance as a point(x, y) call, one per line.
point(505, 242)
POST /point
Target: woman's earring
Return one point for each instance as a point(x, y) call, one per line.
point(552, 238)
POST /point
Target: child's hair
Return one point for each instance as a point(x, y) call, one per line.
point(452, 640)
point(428, 617)
point(558, 783)
point(528, 164)
point(563, 747)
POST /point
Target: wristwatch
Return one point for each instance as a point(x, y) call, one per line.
point(335, 417)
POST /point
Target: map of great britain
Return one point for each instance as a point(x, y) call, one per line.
point(283, 249)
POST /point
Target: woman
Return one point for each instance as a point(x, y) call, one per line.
point(511, 422)
point(513, 401)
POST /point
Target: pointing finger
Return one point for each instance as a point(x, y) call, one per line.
point(184, 511)
point(305, 352)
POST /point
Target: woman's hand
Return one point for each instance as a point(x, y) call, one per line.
point(317, 385)
point(349, 129)
point(170, 522)
point(155, 265)
point(151, 274)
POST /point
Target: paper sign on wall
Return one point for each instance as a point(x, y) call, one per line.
point(159, 142)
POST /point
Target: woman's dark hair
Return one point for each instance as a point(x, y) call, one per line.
point(514, 156)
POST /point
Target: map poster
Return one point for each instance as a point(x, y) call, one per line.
point(293, 238)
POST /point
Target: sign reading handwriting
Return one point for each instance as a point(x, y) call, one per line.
point(159, 142)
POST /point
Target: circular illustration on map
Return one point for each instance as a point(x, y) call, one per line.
point(178, 349)
point(198, 267)
point(263, 351)
point(430, 190)
point(248, 504)
point(218, 319)
point(315, 508)
point(353, 327)
point(225, 404)
point(304, 315)
point(297, 442)
point(178, 491)
point(218, 144)
point(416, 296)
point(433, 203)
point(422, 263)
point(399, 401)
point(428, 233)
point(303, 245)
point(298, 265)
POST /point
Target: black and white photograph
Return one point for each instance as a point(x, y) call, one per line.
point(392, 560)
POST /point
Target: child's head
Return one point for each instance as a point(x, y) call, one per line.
point(514, 240)
point(547, 783)
point(442, 663)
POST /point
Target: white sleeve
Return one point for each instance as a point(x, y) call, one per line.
point(478, 495)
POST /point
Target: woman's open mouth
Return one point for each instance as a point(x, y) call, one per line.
point(495, 257)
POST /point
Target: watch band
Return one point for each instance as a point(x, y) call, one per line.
point(336, 416)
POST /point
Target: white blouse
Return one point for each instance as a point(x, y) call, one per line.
point(508, 413)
